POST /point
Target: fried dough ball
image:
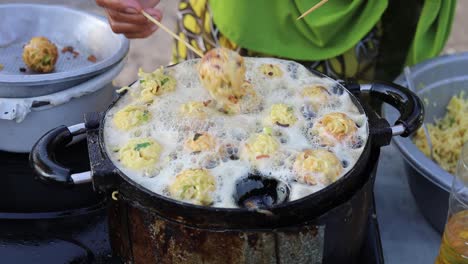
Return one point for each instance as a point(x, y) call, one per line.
point(140, 153)
point(313, 166)
point(260, 146)
point(155, 83)
point(131, 116)
point(317, 96)
point(271, 70)
point(195, 186)
point(334, 127)
point(282, 115)
point(40, 55)
point(194, 109)
point(222, 73)
point(201, 142)
point(250, 101)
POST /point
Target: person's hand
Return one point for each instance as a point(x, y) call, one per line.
point(125, 18)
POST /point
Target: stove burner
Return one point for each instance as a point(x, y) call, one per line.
point(21, 193)
point(79, 239)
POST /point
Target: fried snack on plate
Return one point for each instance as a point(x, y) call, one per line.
point(40, 55)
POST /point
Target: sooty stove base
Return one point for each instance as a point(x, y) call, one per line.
point(72, 239)
point(84, 239)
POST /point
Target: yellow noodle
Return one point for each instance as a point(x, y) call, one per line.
point(448, 134)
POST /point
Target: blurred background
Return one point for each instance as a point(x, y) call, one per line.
point(156, 50)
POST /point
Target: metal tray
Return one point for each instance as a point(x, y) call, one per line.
point(86, 33)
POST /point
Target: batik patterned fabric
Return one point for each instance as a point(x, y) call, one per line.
point(196, 26)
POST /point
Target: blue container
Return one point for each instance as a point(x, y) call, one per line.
point(435, 81)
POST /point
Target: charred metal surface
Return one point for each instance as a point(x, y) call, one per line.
point(346, 225)
point(154, 239)
point(177, 243)
point(118, 231)
point(304, 245)
point(142, 243)
point(102, 170)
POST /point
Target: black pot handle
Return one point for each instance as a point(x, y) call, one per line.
point(409, 105)
point(44, 163)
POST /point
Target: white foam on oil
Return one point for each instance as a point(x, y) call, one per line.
point(171, 130)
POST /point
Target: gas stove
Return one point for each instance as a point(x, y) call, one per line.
point(71, 239)
point(50, 224)
point(21, 193)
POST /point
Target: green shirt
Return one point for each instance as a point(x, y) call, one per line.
point(270, 26)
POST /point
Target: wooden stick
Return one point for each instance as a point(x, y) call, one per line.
point(312, 9)
point(172, 33)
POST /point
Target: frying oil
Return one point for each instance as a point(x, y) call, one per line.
point(454, 246)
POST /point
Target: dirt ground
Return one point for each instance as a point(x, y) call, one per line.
point(156, 50)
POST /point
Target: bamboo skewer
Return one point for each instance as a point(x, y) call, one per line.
point(312, 9)
point(159, 24)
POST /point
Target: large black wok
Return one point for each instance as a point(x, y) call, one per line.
point(327, 226)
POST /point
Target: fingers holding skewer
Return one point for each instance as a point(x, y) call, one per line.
point(125, 18)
